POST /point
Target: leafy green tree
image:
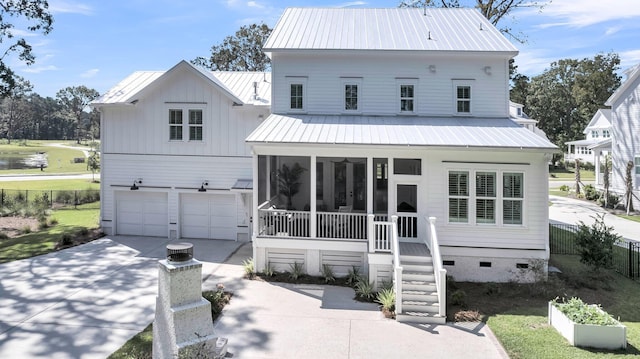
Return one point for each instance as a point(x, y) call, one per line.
point(494, 10)
point(565, 97)
point(74, 100)
point(519, 89)
point(31, 16)
point(240, 52)
point(93, 164)
point(15, 108)
point(595, 243)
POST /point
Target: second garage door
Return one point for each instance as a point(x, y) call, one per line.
point(208, 216)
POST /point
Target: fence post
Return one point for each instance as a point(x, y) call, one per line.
point(630, 249)
point(51, 199)
point(75, 199)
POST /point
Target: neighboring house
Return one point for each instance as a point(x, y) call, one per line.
point(174, 160)
point(516, 112)
point(397, 112)
point(597, 135)
point(625, 139)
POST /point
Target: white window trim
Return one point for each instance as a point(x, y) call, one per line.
point(351, 81)
point(185, 107)
point(464, 83)
point(499, 198)
point(403, 82)
point(297, 80)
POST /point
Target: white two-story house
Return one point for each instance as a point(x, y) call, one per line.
point(625, 139)
point(174, 160)
point(390, 148)
point(597, 136)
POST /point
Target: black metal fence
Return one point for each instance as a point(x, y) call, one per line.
point(11, 198)
point(626, 254)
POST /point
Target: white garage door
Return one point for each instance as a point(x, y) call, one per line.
point(208, 216)
point(142, 214)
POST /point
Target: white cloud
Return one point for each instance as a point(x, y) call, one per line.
point(588, 12)
point(255, 4)
point(89, 73)
point(69, 7)
point(351, 3)
point(629, 58)
point(612, 30)
point(39, 69)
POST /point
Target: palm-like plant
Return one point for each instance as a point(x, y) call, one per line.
point(288, 184)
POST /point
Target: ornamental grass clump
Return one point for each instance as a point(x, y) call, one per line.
point(581, 313)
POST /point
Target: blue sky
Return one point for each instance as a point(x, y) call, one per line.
point(99, 43)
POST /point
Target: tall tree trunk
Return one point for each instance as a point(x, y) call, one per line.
point(577, 177)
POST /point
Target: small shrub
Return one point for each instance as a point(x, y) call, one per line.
point(595, 243)
point(269, 271)
point(327, 273)
point(354, 276)
point(65, 240)
point(249, 268)
point(83, 231)
point(492, 289)
point(459, 298)
point(564, 188)
point(387, 298)
point(296, 270)
point(53, 221)
point(590, 193)
point(364, 289)
point(385, 284)
point(3, 235)
point(26, 229)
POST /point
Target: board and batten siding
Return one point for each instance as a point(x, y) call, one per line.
point(143, 128)
point(380, 76)
point(172, 175)
point(625, 121)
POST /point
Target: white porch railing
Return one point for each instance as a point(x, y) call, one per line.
point(397, 268)
point(337, 225)
point(439, 272)
point(381, 234)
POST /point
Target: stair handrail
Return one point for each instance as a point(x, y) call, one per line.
point(397, 268)
point(439, 272)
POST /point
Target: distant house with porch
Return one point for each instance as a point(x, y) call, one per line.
point(390, 148)
point(625, 139)
point(597, 136)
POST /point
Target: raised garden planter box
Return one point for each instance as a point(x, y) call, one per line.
point(588, 335)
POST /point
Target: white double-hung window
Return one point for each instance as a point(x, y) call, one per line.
point(459, 196)
point(485, 197)
point(462, 97)
point(297, 87)
point(407, 96)
point(512, 197)
point(352, 94)
point(190, 128)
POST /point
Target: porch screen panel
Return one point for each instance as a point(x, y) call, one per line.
point(459, 196)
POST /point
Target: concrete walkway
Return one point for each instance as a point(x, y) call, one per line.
point(572, 211)
point(85, 302)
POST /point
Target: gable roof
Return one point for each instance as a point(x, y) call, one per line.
point(601, 120)
point(238, 86)
point(398, 131)
point(431, 29)
point(633, 74)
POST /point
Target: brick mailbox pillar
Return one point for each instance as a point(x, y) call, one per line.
point(183, 325)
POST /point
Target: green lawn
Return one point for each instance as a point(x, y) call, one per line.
point(517, 314)
point(60, 159)
point(70, 221)
point(63, 184)
point(568, 175)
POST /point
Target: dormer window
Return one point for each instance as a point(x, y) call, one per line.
point(594, 134)
point(190, 129)
point(606, 134)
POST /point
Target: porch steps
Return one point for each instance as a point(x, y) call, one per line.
point(420, 302)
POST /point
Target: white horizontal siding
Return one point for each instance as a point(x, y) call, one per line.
point(380, 75)
point(626, 135)
point(143, 128)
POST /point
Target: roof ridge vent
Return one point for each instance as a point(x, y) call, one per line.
point(481, 27)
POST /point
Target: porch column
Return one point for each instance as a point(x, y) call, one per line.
point(371, 180)
point(313, 190)
point(391, 189)
point(254, 210)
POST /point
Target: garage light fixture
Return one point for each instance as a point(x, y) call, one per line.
point(202, 189)
point(136, 182)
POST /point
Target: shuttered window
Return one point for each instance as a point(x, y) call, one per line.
point(513, 196)
point(485, 197)
point(458, 196)
point(175, 125)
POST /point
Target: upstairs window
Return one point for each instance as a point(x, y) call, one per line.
point(636, 164)
point(297, 97)
point(406, 98)
point(513, 195)
point(175, 125)
point(463, 99)
point(605, 133)
point(594, 134)
point(351, 97)
point(195, 125)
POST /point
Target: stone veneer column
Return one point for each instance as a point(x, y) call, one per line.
point(183, 322)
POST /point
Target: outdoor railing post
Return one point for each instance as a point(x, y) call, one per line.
point(371, 234)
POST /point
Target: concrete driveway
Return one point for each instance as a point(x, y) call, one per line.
point(86, 301)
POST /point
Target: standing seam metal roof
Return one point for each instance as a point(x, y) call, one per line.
point(431, 29)
point(394, 130)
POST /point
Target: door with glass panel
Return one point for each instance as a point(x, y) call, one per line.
point(407, 210)
point(350, 184)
